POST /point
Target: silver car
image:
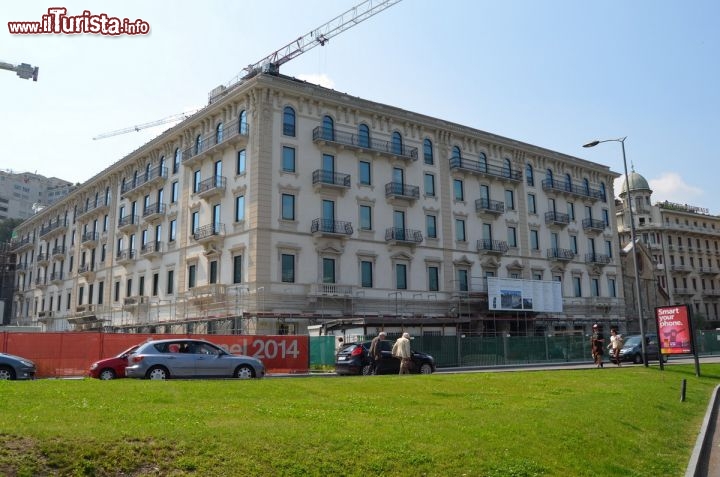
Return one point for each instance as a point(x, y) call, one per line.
point(190, 358)
point(15, 367)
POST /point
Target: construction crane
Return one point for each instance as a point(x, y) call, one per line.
point(319, 36)
point(169, 119)
point(23, 70)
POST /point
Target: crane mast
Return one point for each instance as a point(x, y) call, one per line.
point(318, 36)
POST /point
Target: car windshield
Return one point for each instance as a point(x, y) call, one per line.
point(128, 351)
point(632, 340)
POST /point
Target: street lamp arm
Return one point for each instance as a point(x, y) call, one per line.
point(596, 142)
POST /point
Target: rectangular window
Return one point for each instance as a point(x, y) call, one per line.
point(116, 292)
point(431, 226)
point(571, 210)
point(239, 208)
point(532, 209)
point(172, 230)
point(288, 268)
point(401, 276)
point(328, 265)
point(170, 282)
point(430, 185)
point(174, 192)
point(606, 217)
point(364, 173)
point(240, 169)
point(512, 237)
point(573, 244)
point(509, 199)
point(288, 207)
point(462, 280)
point(196, 181)
point(106, 222)
point(534, 240)
point(288, 159)
point(577, 288)
point(365, 217)
point(155, 284)
point(458, 192)
point(433, 279)
point(611, 288)
point(460, 230)
point(608, 248)
point(141, 286)
point(595, 287)
point(128, 287)
point(366, 274)
point(191, 276)
point(213, 271)
point(237, 269)
point(81, 292)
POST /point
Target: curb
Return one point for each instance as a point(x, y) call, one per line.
point(698, 465)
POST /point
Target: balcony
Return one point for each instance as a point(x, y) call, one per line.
point(484, 169)
point(89, 239)
point(56, 278)
point(152, 249)
point(598, 258)
point(144, 181)
point(400, 236)
point(683, 292)
point(126, 256)
point(22, 267)
point(353, 141)
point(212, 187)
point(331, 228)
point(206, 293)
point(570, 188)
point(322, 179)
point(557, 218)
point(712, 294)
point(398, 190)
point(209, 233)
point(154, 212)
point(233, 133)
point(59, 252)
point(331, 289)
point(560, 254)
point(87, 271)
point(592, 225)
point(680, 269)
point(91, 209)
point(54, 227)
point(43, 259)
point(128, 224)
point(490, 207)
point(492, 247)
point(20, 245)
point(132, 303)
point(708, 271)
point(41, 282)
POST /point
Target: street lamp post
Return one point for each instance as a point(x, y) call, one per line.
point(632, 240)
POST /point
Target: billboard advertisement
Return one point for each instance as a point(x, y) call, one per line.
point(511, 294)
point(674, 331)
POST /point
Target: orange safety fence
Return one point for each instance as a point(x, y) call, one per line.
point(71, 353)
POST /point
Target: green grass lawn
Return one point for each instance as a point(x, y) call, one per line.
point(620, 422)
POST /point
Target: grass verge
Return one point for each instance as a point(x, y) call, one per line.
point(619, 421)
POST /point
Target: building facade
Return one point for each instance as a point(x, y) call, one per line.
point(283, 204)
point(683, 242)
point(23, 194)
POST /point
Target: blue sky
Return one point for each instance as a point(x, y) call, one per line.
point(554, 73)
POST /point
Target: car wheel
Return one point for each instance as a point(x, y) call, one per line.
point(107, 374)
point(637, 359)
point(6, 373)
point(157, 372)
point(244, 372)
point(366, 370)
point(425, 369)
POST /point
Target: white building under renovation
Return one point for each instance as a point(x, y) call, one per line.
point(283, 205)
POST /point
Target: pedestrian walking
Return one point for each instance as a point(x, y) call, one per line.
point(401, 349)
point(616, 344)
point(375, 353)
point(597, 345)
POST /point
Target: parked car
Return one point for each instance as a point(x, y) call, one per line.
point(632, 349)
point(354, 358)
point(190, 358)
point(111, 368)
point(15, 367)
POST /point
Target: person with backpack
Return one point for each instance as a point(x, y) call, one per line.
point(616, 344)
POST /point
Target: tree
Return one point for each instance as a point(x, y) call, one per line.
point(6, 228)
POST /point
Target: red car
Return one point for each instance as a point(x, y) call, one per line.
point(111, 368)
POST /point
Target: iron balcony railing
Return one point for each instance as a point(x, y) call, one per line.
point(331, 226)
point(486, 168)
point(597, 258)
point(20, 243)
point(151, 247)
point(553, 217)
point(398, 189)
point(153, 209)
point(320, 176)
point(85, 269)
point(43, 257)
point(143, 178)
point(489, 245)
point(403, 235)
point(52, 226)
point(59, 250)
point(560, 254)
point(128, 220)
point(56, 276)
point(229, 130)
point(592, 224)
point(209, 230)
point(321, 133)
point(572, 187)
point(89, 237)
point(487, 205)
point(127, 254)
point(212, 183)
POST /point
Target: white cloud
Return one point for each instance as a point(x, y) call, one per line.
point(321, 79)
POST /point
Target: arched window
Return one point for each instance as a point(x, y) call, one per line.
point(289, 121)
point(529, 175)
point(219, 133)
point(198, 144)
point(242, 122)
point(482, 162)
point(603, 192)
point(549, 178)
point(586, 186)
point(456, 154)
point(428, 151)
point(507, 168)
point(568, 183)
point(364, 136)
point(397, 145)
point(328, 128)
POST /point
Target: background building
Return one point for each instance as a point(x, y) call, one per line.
point(681, 244)
point(283, 205)
point(22, 194)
